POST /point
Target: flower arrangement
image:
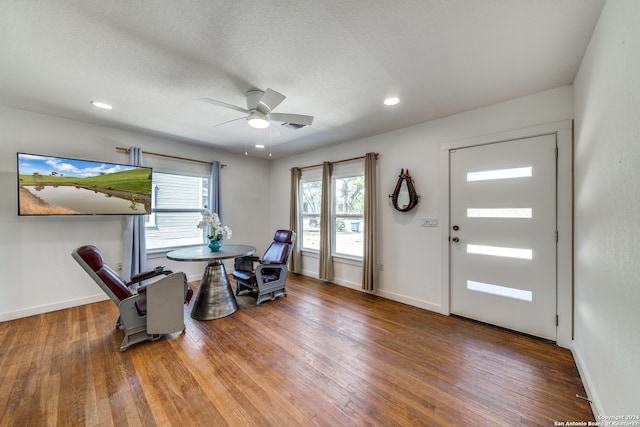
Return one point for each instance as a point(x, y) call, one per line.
point(217, 231)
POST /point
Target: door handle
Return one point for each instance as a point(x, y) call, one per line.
point(455, 239)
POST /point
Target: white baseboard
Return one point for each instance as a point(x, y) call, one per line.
point(589, 389)
point(194, 278)
point(412, 301)
point(310, 273)
point(46, 308)
point(347, 284)
point(388, 295)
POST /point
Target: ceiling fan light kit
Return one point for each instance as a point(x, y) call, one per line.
point(258, 120)
point(259, 110)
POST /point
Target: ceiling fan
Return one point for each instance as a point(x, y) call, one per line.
point(259, 110)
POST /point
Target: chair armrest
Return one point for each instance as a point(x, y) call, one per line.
point(136, 278)
point(261, 267)
point(165, 298)
point(260, 275)
point(188, 292)
point(128, 304)
point(245, 263)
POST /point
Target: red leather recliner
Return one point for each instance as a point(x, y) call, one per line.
point(268, 279)
point(146, 311)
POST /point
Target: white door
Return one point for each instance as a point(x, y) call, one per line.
point(503, 234)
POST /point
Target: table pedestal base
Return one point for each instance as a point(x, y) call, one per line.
point(215, 297)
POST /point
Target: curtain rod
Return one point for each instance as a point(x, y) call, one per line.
point(128, 150)
point(336, 161)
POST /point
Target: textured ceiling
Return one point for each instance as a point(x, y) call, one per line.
point(335, 60)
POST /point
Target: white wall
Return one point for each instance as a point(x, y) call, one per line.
point(412, 255)
point(37, 273)
point(607, 203)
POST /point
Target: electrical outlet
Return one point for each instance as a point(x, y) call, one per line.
point(119, 266)
point(429, 222)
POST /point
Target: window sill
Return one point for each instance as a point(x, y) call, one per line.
point(346, 259)
point(341, 258)
point(162, 252)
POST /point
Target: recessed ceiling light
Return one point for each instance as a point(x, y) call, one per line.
point(102, 105)
point(391, 101)
point(259, 146)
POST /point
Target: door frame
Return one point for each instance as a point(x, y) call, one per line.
point(564, 262)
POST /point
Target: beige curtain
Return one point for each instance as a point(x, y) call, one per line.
point(296, 256)
point(326, 263)
point(370, 256)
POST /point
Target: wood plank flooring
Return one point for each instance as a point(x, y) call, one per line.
point(325, 355)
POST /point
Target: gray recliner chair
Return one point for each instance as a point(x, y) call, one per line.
point(269, 277)
point(146, 311)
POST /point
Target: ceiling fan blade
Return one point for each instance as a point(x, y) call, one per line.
point(224, 104)
point(229, 121)
point(270, 100)
point(294, 119)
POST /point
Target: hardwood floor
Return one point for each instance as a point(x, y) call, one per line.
point(325, 355)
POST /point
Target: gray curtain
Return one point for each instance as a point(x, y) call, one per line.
point(135, 248)
point(296, 256)
point(370, 257)
point(326, 263)
point(215, 203)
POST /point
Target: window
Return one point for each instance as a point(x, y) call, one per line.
point(347, 208)
point(311, 192)
point(150, 220)
point(178, 200)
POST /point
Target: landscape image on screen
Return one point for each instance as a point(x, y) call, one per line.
point(50, 185)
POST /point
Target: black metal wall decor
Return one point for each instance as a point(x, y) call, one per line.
point(404, 197)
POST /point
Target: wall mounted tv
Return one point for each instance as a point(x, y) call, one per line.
point(49, 185)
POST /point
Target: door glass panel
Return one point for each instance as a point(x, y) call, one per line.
point(500, 174)
point(499, 251)
point(502, 291)
point(500, 213)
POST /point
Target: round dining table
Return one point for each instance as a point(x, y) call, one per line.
point(215, 298)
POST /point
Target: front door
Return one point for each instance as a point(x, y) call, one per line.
point(503, 234)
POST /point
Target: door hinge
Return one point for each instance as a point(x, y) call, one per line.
point(557, 153)
point(557, 237)
point(557, 320)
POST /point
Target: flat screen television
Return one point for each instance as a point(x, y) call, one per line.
point(49, 185)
